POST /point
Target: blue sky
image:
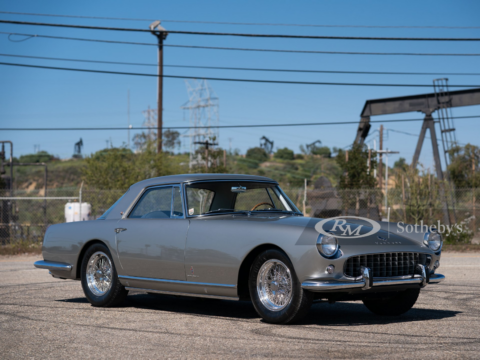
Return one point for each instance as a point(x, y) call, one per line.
point(47, 98)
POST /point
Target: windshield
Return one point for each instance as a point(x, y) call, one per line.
point(236, 196)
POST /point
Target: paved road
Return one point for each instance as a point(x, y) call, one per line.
point(42, 317)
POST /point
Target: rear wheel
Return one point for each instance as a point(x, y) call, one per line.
point(99, 278)
point(393, 306)
point(276, 293)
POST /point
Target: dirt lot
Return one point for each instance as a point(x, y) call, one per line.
point(42, 317)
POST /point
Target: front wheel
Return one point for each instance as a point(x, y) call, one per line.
point(393, 306)
point(99, 278)
point(275, 290)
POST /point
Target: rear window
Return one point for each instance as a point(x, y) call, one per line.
point(106, 213)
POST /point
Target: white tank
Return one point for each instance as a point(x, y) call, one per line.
point(73, 213)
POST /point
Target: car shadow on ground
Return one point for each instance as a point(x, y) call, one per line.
point(355, 313)
point(324, 314)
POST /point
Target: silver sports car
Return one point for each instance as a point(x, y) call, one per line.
point(239, 237)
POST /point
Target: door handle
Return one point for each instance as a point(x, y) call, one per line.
point(119, 230)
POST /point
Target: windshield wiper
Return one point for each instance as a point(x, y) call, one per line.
point(224, 210)
point(279, 210)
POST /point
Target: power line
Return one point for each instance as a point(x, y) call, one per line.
point(248, 24)
point(207, 33)
point(234, 48)
point(416, 135)
point(240, 68)
point(229, 79)
point(227, 126)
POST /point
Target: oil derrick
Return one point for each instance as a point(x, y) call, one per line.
point(313, 146)
point(447, 130)
point(441, 100)
point(77, 149)
point(266, 144)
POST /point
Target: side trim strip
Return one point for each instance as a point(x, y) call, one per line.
point(42, 264)
point(181, 282)
point(182, 294)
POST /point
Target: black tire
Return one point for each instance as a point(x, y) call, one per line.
point(393, 306)
point(117, 292)
point(300, 302)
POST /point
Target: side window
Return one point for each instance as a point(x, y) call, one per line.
point(177, 202)
point(156, 203)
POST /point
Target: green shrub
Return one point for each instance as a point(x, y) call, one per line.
point(284, 154)
point(461, 233)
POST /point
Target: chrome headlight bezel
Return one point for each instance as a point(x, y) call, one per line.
point(433, 240)
point(324, 245)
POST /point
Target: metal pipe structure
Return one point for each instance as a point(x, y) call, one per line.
point(11, 161)
point(45, 179)
point(427, 104)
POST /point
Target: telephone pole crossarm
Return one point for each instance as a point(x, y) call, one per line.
point(207, 145)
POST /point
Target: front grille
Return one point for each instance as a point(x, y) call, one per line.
point(384, 265)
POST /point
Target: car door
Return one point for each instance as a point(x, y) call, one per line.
point(151, 239)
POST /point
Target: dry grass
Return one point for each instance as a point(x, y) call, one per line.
point(21, 248)
point(461, 248)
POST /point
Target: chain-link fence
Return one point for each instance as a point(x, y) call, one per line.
point(25, 215)
point(442, 206)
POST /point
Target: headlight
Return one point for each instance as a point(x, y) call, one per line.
point(433, 240)
point(327, 245)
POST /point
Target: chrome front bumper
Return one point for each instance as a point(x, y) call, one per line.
point(366, 281)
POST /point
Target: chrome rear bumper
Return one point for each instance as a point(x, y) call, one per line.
point(42, 264)
point(366, 282)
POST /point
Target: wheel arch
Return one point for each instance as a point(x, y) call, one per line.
point(244, 271)
point(85, 247)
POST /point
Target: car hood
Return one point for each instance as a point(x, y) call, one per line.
point(383, 233)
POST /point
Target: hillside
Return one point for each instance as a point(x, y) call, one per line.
point(290, 173)
point(61, 174)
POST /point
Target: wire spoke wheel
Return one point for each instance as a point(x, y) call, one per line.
point(274, 285)
point(99, 273)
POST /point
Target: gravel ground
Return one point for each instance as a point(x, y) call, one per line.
point(42, 317)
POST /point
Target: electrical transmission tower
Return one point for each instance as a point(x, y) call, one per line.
point(202, 107)
point(140, 141)
point(150, 122)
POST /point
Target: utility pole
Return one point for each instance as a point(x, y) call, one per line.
point(128, 113)
point(380, 161)
point(207, 145)
point(161, 35)
point(386, 152)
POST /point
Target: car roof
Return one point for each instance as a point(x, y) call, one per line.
point(137, 188)
point(182, 178)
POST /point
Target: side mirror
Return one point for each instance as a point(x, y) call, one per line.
point(238, 189)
